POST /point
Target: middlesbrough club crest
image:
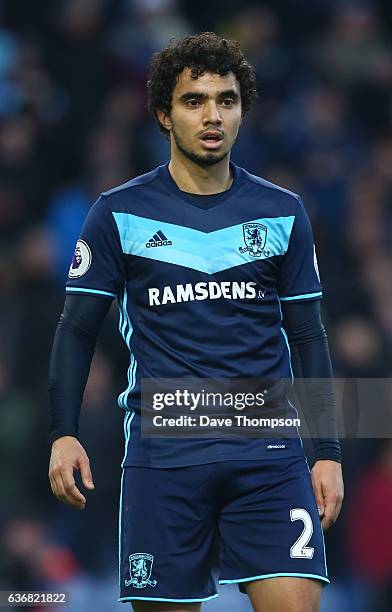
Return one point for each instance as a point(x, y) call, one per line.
point(255, 236)
point(140, 567)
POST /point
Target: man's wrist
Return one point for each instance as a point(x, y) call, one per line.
point(56, 436)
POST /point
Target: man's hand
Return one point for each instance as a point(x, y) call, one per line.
point(69, 455)
point(327, 481)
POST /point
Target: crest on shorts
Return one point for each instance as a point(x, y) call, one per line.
point(140, 568)
point(255, 236)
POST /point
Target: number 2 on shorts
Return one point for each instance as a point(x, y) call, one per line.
point(299, 550)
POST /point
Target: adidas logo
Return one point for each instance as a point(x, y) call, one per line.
point(158, 239)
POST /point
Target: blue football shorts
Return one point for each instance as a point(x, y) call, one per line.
point(250, 519)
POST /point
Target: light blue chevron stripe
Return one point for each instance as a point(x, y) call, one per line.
point(119, 527)
point(208, 252)
point(325, 554)
point(273, 575)
point(93, 291)
point(123, 397)
point(291, 369)
point(126, 329)
point(165, 599)
point(304, 296)
point(127, 434)
point(289, 352)
point(121, 318)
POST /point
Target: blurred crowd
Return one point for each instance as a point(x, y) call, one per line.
point(73, 122)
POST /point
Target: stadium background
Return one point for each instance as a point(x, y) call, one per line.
point(72, 123)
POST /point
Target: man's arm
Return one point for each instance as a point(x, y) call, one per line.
point(72, 353)
point(312, 367)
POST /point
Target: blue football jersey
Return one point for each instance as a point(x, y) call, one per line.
point(199, 281)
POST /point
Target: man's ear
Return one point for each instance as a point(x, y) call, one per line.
point(164, 119)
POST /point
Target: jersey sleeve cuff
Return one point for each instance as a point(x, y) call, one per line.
point(303, 296)
point(106, 294)
point(327, 450)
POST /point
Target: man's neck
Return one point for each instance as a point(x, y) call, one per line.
point(192, 178)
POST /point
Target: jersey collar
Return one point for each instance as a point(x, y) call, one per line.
point(201, 201)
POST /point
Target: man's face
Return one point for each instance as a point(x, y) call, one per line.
point(205, 116)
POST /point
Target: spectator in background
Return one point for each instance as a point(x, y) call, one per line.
point(369, 534)
point(356, 55)
point(107, 162)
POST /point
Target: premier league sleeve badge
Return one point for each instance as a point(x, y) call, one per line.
point(81, 260)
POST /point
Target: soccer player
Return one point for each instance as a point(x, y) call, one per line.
point(215, 276)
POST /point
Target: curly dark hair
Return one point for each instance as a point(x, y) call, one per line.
point(202, 52)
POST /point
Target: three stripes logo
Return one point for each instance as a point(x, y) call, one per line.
point(159, 239)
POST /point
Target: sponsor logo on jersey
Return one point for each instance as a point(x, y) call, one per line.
point(276, 446)
point(255, 236)
point(81, 260)
point(158, 240)
point(140, 568)
point(203, 291)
